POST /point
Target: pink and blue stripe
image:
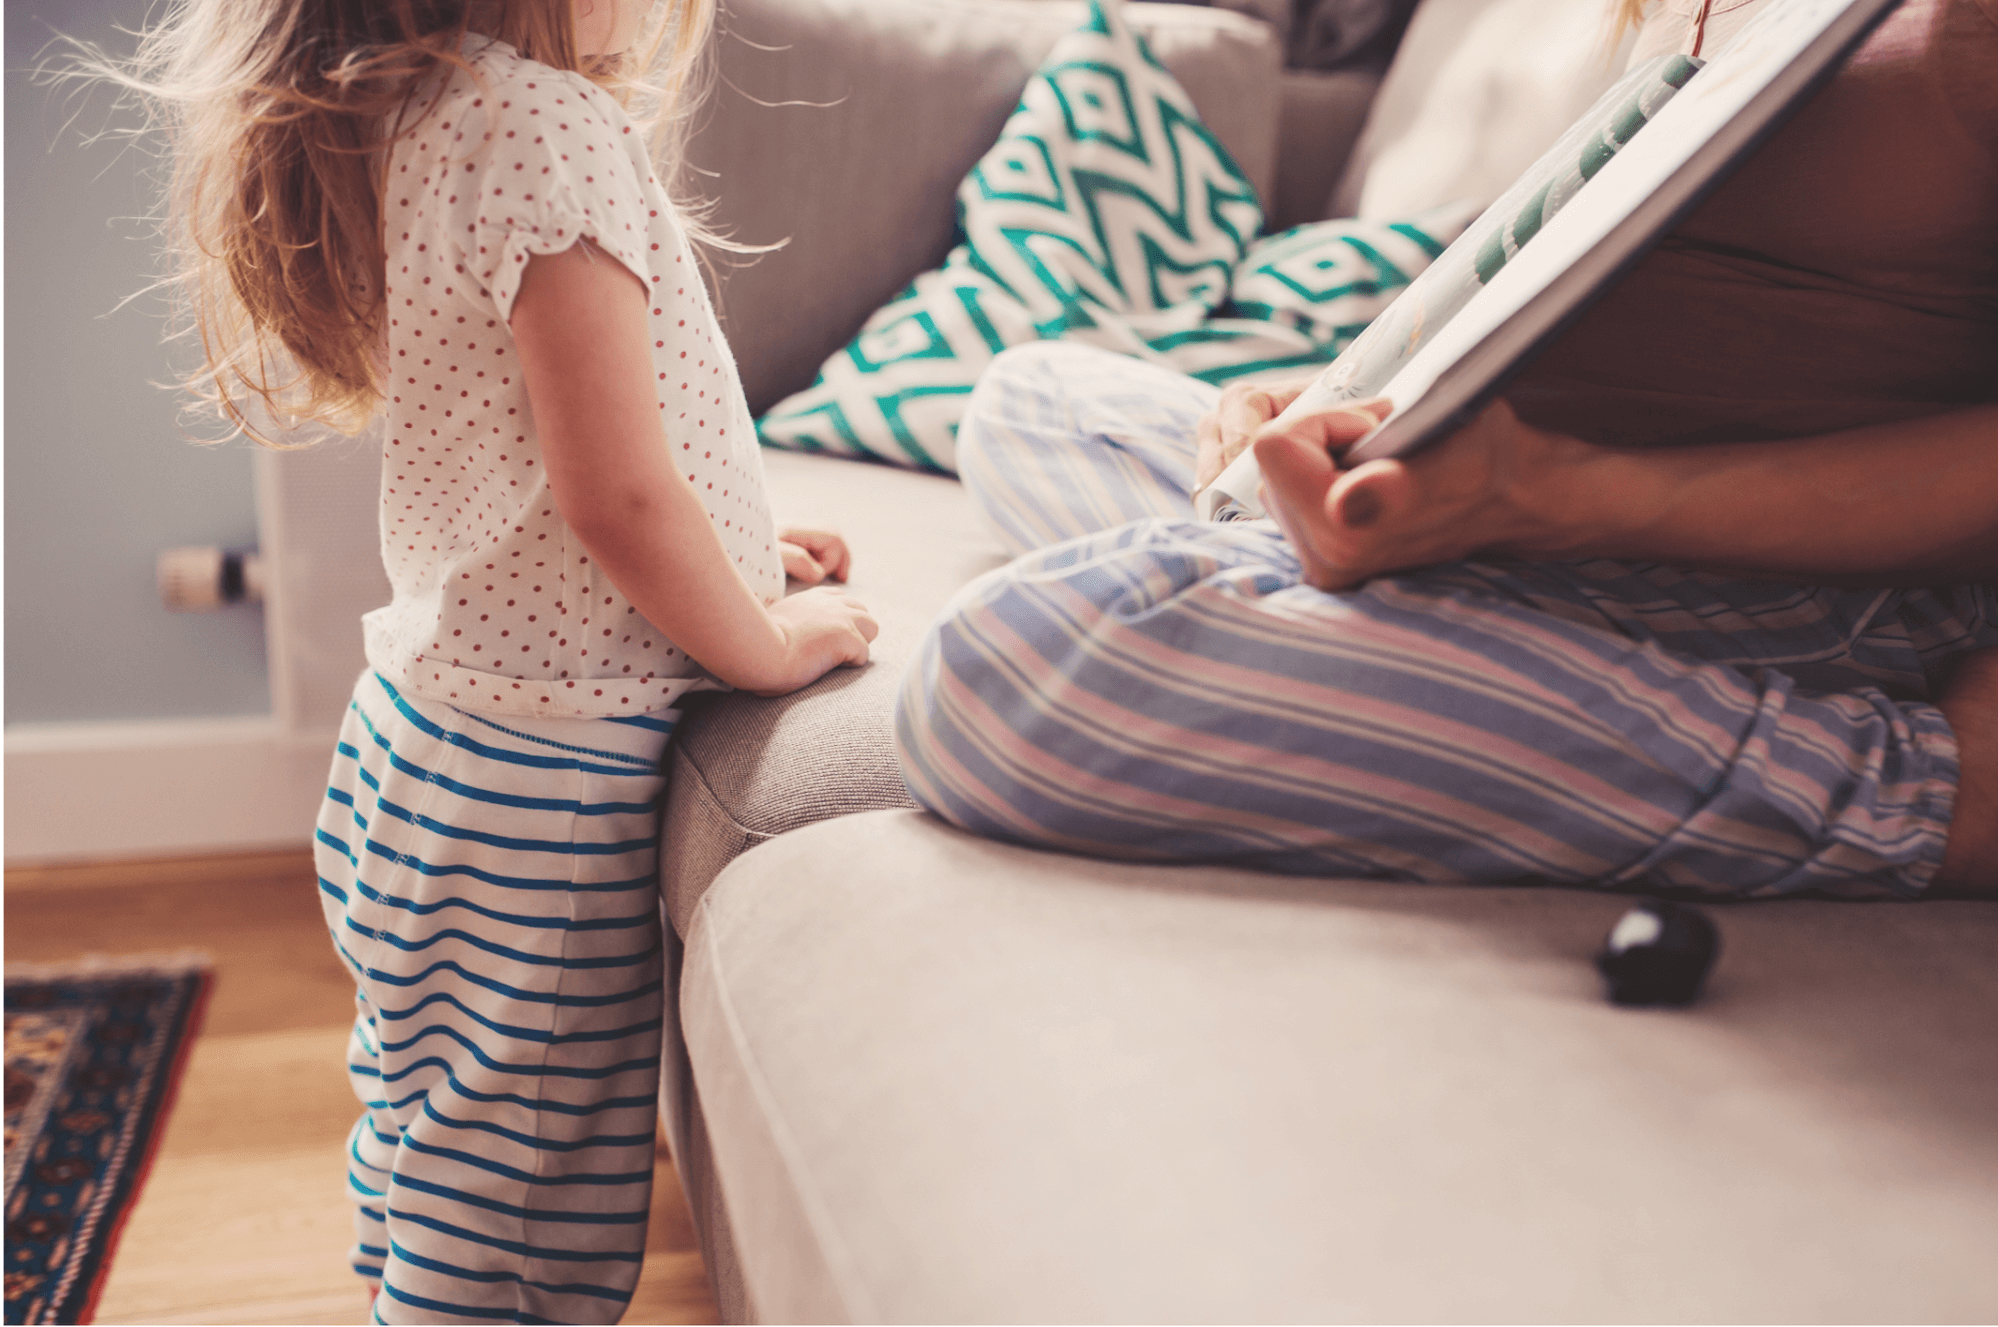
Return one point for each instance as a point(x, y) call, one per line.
point(1143, 685)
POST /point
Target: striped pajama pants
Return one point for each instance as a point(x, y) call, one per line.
point(1143, 685)
point(490, 882)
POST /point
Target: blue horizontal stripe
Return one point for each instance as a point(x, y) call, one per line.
point(551, 923)
point(421, 867)
point(443, 1306)
point(509, 1278)
point(338, 846)
point(646, 721)
point(514, 992)
point(500, 1066)
point(651, 766)
point(556, 1216)
point(521, 801)
point(524, 1177)
point(534, 1141)
point(538, 1036)
point(520, 956)
point(646, 770)
point(354, 1151)
point(435, 826)
point(510, 1245)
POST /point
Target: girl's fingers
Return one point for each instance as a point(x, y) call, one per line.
point(834, 556)
point(827, 548)
point(799, 564)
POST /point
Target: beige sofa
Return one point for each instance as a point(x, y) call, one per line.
point(915, 1076)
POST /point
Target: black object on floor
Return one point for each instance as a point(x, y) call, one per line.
point(1659, 953)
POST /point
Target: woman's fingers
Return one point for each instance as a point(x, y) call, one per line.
point(1207, 462)
point(1343, 524)
point(1297, 482)
point(1370, 497)
point(1241, 413)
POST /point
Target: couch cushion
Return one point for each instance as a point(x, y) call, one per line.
point(844, 126)
point(951, 1080)
point(745, 768)
point(1319, 118)
point(1477, 91)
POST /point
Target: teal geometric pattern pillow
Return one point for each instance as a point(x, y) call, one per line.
point(1108, 214)
point(1299, 298)
point(1330, 278)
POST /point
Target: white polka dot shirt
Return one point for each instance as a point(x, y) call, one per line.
point(497, 606)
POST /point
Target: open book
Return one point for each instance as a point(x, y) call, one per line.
point(1577, 219)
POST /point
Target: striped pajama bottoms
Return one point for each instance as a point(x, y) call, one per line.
point(490, 882)
point(1143, 685)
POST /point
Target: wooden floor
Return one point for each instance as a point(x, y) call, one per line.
point(243, 1219)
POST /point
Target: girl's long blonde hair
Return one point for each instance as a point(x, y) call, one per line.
point(278, 115)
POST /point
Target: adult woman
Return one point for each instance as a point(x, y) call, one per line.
point(1708, 603)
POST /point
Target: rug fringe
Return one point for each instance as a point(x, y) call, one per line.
point(165, 963)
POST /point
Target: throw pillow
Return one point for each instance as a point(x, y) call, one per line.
point(1106, 212)
point(1299, 298)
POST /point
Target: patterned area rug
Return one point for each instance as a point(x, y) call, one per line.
point(94, 1053)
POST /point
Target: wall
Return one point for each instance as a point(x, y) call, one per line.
point(99, 477)
point(130, 731)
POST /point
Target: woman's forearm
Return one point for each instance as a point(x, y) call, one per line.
point(1893, 504)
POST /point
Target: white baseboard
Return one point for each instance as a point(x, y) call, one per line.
point(88, 791)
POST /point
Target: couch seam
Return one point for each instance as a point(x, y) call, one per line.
point(714, 798)
point(839, 1259)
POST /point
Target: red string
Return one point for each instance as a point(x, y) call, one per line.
point(1700, 27)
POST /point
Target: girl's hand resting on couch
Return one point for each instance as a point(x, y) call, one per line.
point(822, 629)
point(812, 555)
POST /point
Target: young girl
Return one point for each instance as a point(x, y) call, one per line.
point(439, 211)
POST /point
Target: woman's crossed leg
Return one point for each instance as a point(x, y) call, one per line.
point(1171, 690)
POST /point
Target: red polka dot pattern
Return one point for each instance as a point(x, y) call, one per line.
point(497, 606)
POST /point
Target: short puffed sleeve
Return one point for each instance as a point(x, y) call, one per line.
point(549, 162)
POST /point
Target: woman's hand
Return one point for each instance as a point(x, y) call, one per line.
point(1479, 491)
point(812, 555)
point(1241, 413)
point(1901, 504)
